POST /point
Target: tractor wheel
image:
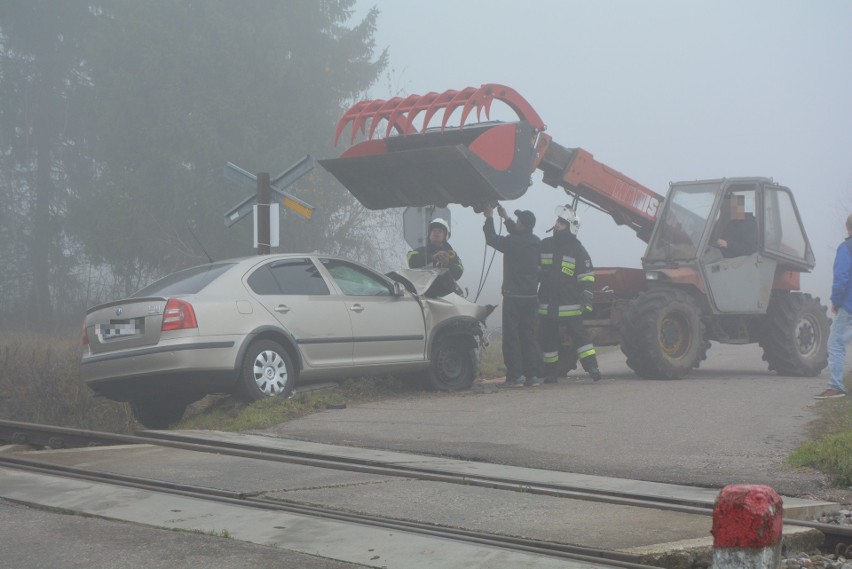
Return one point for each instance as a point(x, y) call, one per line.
point(453, 363)
point(794, 337)
point(155, 413)
point(662, 334)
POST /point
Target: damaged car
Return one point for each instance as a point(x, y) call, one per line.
point(254, 327)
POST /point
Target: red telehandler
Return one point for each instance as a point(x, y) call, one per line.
point(689, 291)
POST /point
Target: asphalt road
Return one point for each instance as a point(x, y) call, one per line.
point(731, 421)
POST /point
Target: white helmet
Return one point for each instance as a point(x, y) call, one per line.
point(570, 217)
point(441, 223)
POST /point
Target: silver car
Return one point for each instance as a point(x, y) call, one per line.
point(252, 326)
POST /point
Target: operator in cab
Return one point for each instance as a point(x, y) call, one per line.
point(739, 235)
point(566, 280)
point(439, 253)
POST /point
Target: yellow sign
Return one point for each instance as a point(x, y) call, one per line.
point(304, 211)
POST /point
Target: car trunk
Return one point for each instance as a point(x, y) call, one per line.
point(129, 323)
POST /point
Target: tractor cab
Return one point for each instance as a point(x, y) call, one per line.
point(734, 239)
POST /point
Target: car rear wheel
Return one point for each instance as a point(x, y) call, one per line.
point(267, 372)
point(158, 413)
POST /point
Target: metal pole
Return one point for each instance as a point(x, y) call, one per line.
point(263, 247)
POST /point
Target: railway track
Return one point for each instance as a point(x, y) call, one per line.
point(838, 538)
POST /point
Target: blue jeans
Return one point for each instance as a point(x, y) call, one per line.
point(838, 339)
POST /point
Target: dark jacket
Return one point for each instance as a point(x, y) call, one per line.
point(422, 257)
point(841, 288)
point(520, 258)
point(567, 277)
point(741, 235)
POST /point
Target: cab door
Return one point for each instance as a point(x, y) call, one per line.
point(295, 292)
point(385, 328)
point(739, 284)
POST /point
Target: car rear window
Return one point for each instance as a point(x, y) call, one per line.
point(187, 281)
point(294, 276)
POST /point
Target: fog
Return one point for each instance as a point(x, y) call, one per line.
point(662, 91)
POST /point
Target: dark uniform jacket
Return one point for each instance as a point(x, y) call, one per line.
point(567, 277)
point(520, 258)
point(741, 235)
point(422, 257)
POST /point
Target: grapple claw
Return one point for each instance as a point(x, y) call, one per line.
point(360, 120)
point(467, 164)
point(439, 103)
point(399, 119)
point(459, 99)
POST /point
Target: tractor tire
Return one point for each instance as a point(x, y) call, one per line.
point(794, 336)
point(662, 334)
point(267, 371)
point(156, 413)
point(453, 364)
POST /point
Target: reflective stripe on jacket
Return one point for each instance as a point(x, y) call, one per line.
point(566, 272)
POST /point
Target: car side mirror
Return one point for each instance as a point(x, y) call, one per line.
point(397, 289)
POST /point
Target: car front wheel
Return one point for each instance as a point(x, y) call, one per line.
point(267, 372)
point(453, 364)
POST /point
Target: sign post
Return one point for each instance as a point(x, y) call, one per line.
point(263, 244)
point(265, 189)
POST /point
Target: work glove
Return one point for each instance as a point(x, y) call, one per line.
point(441, 258)
point(587, 301)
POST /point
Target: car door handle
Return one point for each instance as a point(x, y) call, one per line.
point(356, 308)
point(282, 308)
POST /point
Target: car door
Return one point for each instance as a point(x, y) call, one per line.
point(295, 292)
point(385, 328)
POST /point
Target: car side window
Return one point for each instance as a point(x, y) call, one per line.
point(291, 276)
point(356, 281)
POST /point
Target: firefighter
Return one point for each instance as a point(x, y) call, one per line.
point(439, 253)
point(564, 295)
point(520, 250)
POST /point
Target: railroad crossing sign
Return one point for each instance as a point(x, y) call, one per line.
point(283, 180)
point(415, 223)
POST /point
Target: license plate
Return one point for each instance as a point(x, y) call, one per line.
point(121, 329)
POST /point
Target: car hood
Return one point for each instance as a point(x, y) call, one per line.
point(418, 281)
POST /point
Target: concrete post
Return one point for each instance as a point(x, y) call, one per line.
point(747, 524)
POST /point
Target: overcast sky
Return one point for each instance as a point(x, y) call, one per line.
point(659, 90)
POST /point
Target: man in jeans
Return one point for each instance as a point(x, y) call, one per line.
point(520, 250)
point(841, 306)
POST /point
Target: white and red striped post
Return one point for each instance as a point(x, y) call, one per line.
point(747, 524)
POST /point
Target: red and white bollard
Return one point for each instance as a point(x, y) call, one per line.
point(747, 524)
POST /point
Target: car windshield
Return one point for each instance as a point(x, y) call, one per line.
point(187, 281)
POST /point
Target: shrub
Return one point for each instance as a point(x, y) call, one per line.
point(40, 382)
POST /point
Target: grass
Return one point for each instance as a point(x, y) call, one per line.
point(40, 382)
point(224, 413)
point(221, 413)
point(831, 450)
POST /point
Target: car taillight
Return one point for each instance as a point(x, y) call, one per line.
point(85, 334)
point(178, 315)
